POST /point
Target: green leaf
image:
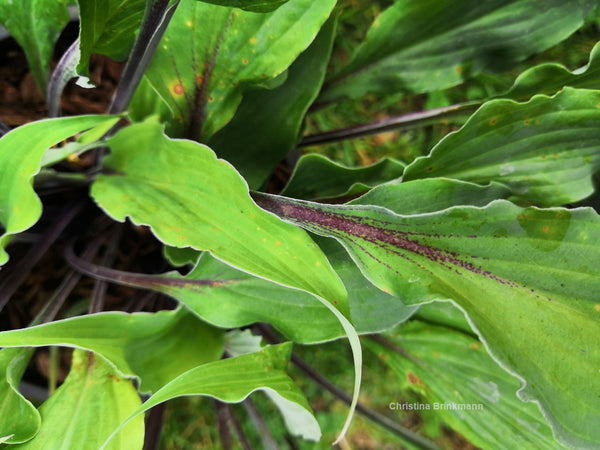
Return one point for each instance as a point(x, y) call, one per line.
point(19, 419)
point(459, 381)
point(232, 380)
point(21, 152)
point(544, 150)
point(283, 109)
point(428, 45)
point(549, 78)
point(87, 407)
point(527, 278)
point(250, 5)
point(202, 67)
point(430, 195)
point(229, 298)
point(35, 25)
point(191, 198)
point(107, 27)
point(317, 177)
point(153, 347)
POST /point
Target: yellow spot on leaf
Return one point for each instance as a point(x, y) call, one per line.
point(318, 263)
point(277, 243)
point(253, 40)
point(597, 308)
point(188, 23)
point(264, 239)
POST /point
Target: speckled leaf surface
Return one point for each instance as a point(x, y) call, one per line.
point(527, 278)
point(232, 380)
point(36, 26)
point(545, 150)
point(21, 152)
point(426, 45)
point(152, 347)
point(87, 407)
point(458, 380)
point(210, 54)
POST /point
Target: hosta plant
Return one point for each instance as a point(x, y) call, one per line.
point(466, 259)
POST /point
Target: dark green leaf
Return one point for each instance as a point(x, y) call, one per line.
point(108, 27)
point(427, 45)
point(549, 78)
point(249, 5)
point(316, 177)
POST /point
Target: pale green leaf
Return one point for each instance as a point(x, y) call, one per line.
point(36, 26)
point(21, 152)
point(153, 347)
point(191, 198)
point(232, 380)
point(19, 419)
point(428, 45)
point(545, 150)
point(527, 278)
point(87, 408)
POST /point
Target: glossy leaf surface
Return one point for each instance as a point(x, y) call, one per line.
point(153, 347)
point(544, 150)
point(283, 109)
point(108, 27)
point(210, 54)
point(21, 152)
point(19, 419)
point(36, 26)
point(516, 272)
point(430, 45)
point(232, 380)
point(317, 177)
point(191, 198)
point(460, 382)
point(87, 408)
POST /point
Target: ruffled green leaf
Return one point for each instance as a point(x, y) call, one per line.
point(21, 152)
point(153, 347)
point(545, 150)
point(232, 380)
